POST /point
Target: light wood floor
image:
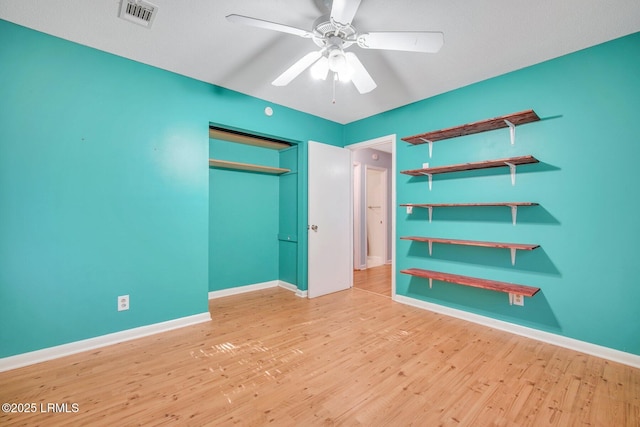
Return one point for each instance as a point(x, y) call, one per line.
point(350, 358)
point(376, 280)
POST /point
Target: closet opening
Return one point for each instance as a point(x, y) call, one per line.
point(254, 211)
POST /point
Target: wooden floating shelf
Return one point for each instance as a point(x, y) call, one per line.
point(520, 246)
point(224, 164)
point(486, 164)
point(514, 119)
point(510, 162)
point(493, 285)
point(512, 246)
point(455, 205)
point(430, 206)
point(245, 138)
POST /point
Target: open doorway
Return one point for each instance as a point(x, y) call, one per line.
point(374, 215)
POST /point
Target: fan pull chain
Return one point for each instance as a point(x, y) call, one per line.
point(335, 77)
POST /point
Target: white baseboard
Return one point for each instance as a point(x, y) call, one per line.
point(30, 358)
point(257, 287)
point(548, 337)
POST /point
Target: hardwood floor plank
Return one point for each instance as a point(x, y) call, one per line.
point(350, 358)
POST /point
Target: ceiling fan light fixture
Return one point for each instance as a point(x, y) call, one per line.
point(345, 75)
point(337, 61)
point(320, 69)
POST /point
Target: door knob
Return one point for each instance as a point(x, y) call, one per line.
point(314, 227)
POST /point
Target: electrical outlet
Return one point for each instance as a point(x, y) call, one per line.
point(518, 299)
point(425, 166)
point(123, 302)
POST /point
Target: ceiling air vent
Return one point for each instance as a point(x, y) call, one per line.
point(138, 11)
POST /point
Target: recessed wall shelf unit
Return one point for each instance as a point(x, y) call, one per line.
point(509, 120)
point(516, 292)
point(430, 206)
point(510, 162)
point(511, 246)
point(248, 139)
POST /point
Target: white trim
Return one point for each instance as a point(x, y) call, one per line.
point(356, 186)
point(257, 287)
point(243, 289)
point(30, 358)
point(548, 337)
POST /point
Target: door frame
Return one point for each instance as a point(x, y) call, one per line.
point(357, 198)
point(371, 143)
point(385, 177)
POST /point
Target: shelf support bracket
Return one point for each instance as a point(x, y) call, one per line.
point(513, 256)
point(512, 131)
point(512, 169)
point(430, 283)
point(430, 179)
point(514, 213)
point(430, 247)
point(430, 212)
point(510, 299)
point(430, 146)
point(409, 210)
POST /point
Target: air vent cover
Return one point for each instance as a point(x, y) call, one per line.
point(138, 11)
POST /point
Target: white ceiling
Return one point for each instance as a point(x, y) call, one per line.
point(483, 39)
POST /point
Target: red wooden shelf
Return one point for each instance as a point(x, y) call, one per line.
point(485, 164)
point(510, 288)
point(430, 206)
point(520, 246)
point(512, 246)
point(455, 205)
point(515, 119)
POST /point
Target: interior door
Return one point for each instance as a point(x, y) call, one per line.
point(330, 257)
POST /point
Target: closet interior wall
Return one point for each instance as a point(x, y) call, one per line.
point(253, 214)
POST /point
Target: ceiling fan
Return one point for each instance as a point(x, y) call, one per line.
point(333, 34)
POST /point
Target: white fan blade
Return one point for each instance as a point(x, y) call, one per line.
point(343, 11)
point(267, 25)
point(360, 78)
point(297, 68)
point(410, 41)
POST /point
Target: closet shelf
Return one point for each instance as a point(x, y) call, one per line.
point(508, 120)
point(430, 206)
point(224, 164)
point(510, 288)
point(512, 246)
point(245, 138)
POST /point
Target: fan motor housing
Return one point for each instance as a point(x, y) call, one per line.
point(325, 33)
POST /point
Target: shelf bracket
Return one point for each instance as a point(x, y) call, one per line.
point(430, 178)
point(514, 213)
point(513, 256)
point(430, 212)
point(512, 131)
point(430, 146)
point(430, 247)
point(430, 283)
point(512, 169)
point(409, 210)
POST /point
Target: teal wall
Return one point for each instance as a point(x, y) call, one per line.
point(104, 188)
point(587, 222)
